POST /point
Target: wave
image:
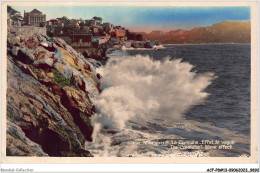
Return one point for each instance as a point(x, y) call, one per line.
point(159, 47)
point(138, 88)
point(144, 101)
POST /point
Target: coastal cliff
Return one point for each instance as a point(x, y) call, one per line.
point(49, 92)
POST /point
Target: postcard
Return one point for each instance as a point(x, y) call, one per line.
point(129, 82)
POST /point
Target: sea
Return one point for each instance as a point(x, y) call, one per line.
point(189, 100)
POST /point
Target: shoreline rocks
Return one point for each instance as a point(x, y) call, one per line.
point(50, 87)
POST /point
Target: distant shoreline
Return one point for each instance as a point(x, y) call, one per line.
point(174, 44)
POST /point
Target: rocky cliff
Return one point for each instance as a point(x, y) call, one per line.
point(49, 91)
point(224, 32)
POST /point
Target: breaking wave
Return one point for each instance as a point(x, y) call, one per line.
point(140, 87)
point(159, 47)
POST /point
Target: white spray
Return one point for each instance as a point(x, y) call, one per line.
point(140, 87)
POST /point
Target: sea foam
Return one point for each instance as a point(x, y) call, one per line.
point(140, 87)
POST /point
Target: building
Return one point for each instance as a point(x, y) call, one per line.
point(107, 26)
point(97, 30)
point(75, 23)
point(88, 22)
point(100, 39)
point(81, 21)
point(52, 22)
point(139, 37)
point(134, 36)
point(120, 33)
point(81, 39)
point(85, 28)
point(93, 22)
point(34, 18)
point(64, 20)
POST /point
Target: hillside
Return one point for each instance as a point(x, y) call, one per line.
point(224, 32)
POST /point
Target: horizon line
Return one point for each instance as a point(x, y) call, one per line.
point(147, 31)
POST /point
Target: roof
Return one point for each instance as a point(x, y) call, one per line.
point(35, 11)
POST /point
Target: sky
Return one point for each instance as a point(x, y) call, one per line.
point(147, 18)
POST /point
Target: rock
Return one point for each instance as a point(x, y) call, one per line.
point(41, 39)
point(44, 62)
point(15, 50)
point(35, 39)
point(94, 53)
point(44, 78)
point(68, 59)
point(77, 105)
point(32, 73)
point(49, 46)
point(65, 70)
point(59, 40)
point(25, 56)
point(79, 153)
point(77, 81)
point(70, 49)
point(22, 66)
point(88, 53)
point(64, 56)
point(39, 54)
point(51, 75)
point(15, 147)
point(87, 67)
point(40, 49)
point(59, 67)
point(31, 44)
point(57, 90)
point(19, 144)
point(47, 97)
point(58, 44)
point(80, 64)
point(48, 61)
point(98, 76)
point(99, 54)
point(15, 40)
point(44, 44)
